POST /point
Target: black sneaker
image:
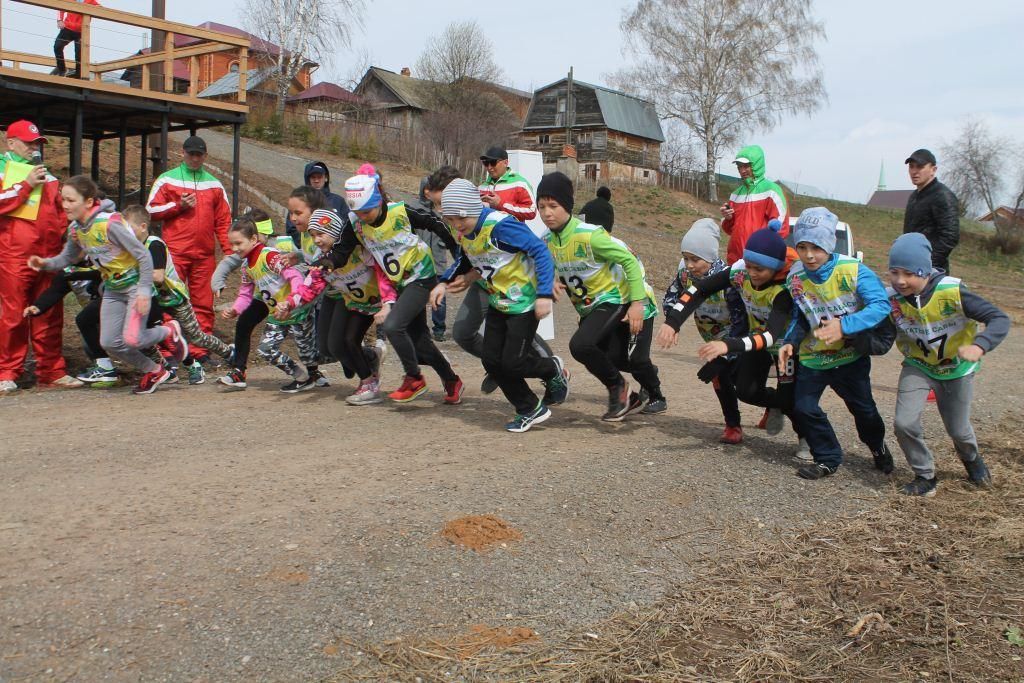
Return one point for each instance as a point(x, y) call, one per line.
point(977, 473)
point(920, 487)
point(556, 389)
point(816, 471)
point(656, 405)
point(638, 400)
point(618, 403)
point(297, 386)
point(489, 385)
point(883, 460)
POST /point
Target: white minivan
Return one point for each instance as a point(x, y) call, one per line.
point(844, 239)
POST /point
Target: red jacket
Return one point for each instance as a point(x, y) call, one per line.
point(515, 195)
point(72, 21)
point(191, 231)
point(21, 238)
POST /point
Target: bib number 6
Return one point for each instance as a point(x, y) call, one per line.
point(391, 265)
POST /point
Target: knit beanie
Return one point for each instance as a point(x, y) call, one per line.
point(327, 222)
point(362, 193)
point(557, 186)
point(816, 225)
point(766, 247)
point(701, 240)
point(461, 198)
point(911, 252)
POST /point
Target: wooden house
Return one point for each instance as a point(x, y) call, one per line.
point(617, 137)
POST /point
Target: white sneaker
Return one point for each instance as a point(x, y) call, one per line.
point(382, 349)
point(803, 452)
point(8, 386)
point(367, 393)
point(66, 382)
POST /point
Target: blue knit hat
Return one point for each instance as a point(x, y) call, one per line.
point(766, 247)
point(816, 225)
point(911, 252)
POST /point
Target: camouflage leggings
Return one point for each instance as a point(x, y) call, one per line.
point(304, 334)
point(193, 333)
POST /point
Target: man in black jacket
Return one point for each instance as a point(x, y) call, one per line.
point(318, 176)
point(932, 209)
point(599, 210)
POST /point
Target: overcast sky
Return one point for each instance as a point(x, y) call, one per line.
point(899, 75)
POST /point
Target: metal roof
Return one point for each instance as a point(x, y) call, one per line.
point(622, 112)
point(228, 83)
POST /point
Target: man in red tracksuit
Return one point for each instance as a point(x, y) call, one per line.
point(70, 29)
point(505, 190)
point(20, 237)
point(193, 207)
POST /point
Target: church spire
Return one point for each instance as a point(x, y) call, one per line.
point(881, 177)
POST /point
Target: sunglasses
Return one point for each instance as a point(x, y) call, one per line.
point(490, 162)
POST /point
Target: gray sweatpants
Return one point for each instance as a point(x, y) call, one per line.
point(471, 315)
point(123, 332)
point(953, 398)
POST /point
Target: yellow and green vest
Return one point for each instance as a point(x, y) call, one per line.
point(509, 278)
point(712, 316)
point(271, 287)
point(117, 267)
point(834, 298)
point(590, 282)
point(398, 251)
point(355, 282)
point(930, 337)
point(757, 302)
point(173, 292)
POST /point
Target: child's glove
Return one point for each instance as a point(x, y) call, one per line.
point(713, 369)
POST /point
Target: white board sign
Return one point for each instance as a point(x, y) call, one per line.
point(530, 165)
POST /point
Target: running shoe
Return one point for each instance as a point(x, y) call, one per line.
point(816, 471)
point(453, 391)
point(522, 423)
point(803, 452)
point(731, 435)
point(412, 388)
point(295, 386)
point(618, 402)
point(7, 386)
point(196, 373)
point(367, 393)
point(66, 382)
point(977, 472)
point(489, 385)
point(883, 460)
point(151, 380)
point(95, 373)
point(175, 342)
point(234, 379)
point(775, 421)
point(320, 379)
point(920, 487)
point(656, 405)
point(556, 389)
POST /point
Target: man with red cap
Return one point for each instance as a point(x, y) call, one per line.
point(193, 207)
point(32, 221)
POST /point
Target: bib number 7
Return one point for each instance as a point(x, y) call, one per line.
point(926, 348)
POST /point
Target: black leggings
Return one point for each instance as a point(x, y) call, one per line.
point(604, 345)
point(252, 316)
point(406, 329)
point(88, 322)
point(64, 37)
point(752, 370)
point(725, 390)
point(509, 357)
point(341, 333)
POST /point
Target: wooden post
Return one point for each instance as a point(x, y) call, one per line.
point(145, 77)
point(76, 141)
point(168, 62)
point(193, 76)
point(83, 68)
point(237, 168)
point(122, 166)
point(144, 148)
point(162, 160)
point(157, 38)
point(94, 171)
point(243, 73)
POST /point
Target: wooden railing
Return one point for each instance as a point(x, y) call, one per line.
point(93, 72)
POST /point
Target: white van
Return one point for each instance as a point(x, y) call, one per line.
point(844, 239)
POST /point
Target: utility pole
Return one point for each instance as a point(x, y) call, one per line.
point(568, 109)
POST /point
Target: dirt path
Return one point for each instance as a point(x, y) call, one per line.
point(202, 535)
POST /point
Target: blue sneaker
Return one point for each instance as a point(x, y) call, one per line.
point(522, 423)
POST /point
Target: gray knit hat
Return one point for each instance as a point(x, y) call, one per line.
point(911, 252)
point(461, 198)
point(816, 225)
point(701, 240)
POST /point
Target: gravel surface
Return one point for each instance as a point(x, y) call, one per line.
point(201, 535)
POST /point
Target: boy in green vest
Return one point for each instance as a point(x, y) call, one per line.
point(936, 321)
point(834, 298)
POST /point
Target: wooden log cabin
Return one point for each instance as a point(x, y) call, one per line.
point(617, 137)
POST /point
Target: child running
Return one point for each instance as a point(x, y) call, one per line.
point(386, 230)
point(936, 321)
point(713, 318)
point(518, 271)
point(170, 293)
point(265, 231)
point(353, 294)
point(126, 269)
point(605, 282)
point(760, 279)
point(269, 284)
point(835, 297)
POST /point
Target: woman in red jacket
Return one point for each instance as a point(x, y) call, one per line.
point(70, 25)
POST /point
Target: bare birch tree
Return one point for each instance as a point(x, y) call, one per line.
point(725, 68)
point(305, 30)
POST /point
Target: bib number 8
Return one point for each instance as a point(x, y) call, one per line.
point(391, 265)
